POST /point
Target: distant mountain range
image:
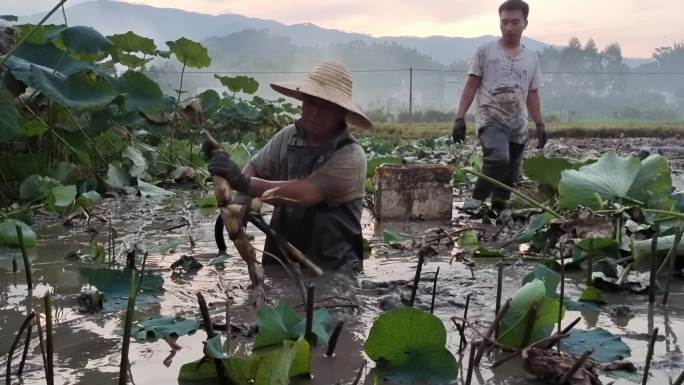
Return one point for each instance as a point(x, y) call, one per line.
point(163, 24)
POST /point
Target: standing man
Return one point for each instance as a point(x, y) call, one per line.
point(317, 167)
point(504, 78)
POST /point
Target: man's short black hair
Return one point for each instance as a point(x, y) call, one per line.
point(515, 5)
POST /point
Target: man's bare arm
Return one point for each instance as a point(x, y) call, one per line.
point(467, 96)
point(534, 106)
point(301, 192)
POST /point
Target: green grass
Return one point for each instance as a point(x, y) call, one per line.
point(586, 128)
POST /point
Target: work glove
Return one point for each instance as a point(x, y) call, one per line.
point(458, 133)
point(221, 165)
point(541, 135)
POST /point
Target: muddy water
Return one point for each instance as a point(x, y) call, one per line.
point(87, 347)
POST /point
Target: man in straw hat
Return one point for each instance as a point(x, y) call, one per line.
point(504, 79)
point(317, 167)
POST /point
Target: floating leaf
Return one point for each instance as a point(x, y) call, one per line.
point(61, 197)
point(283, 323)
point(606, 347)
point(220, 259)
point(240, 83)
point(531, 295)
point(537, 222)
point(390, 236)
point(190, 53)
point(9, 237)
point(483, 252)
point(467, 240)
point(592, 294)
point(239, 370)
point(410, 344)
point(614, 178)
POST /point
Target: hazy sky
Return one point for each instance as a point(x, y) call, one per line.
point(638, 25)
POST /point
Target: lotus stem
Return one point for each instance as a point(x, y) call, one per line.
point(463, 342)
point(308, 334)
point(575, 367)
point(130, 309)
point(359, 374)
point(416, 278)
point(654, 266)
point(590, 263)
point(649, 355)
point(49, 368)
point(333, 339)
point(434, 291)
point(562, 295)
point(513, 191)
point(529, 326)
point(671, 257)
point(471, 362)
point(26, 36)
point(209, 329)
point(499, 288)
point(679, 380)
point(27, 262)
point(25, 325)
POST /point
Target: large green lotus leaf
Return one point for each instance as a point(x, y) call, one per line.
point(591, 294)
point(61, 197)
point(275, 366)
point(641, 250)
point(36, 186)
point(33, 127)
point(157, 327)
point(653, 184)
point(606, 347)
point(65, 172)
point(83, 41)
point(9, 116)
point(545, 171)
point(9, 237)
point(375, 163)
point(136, 162)
point(83, 90)
point(140, 92)
point(280, 323)
point(468, 240)
point(131, 61)
point(240, 83)
point(115, 284)
point(238, 152)
point(117, 176)
point(410, 343)
point(131, 42)
point(47, 56)
point(213, 347)
point(41, 34)
point(239, 370)
point(191, 53)
point(88, 199)
point(613, 177)
point(302, 362)
point(602, 248)
point(550, 278)
point(513, 324)
point(211, 102)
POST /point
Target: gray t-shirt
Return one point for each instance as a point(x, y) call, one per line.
point(340, 179)
point(504, 84)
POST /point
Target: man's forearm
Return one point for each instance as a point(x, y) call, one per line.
point(467, 96)
point(534, 106)
point(294, 192)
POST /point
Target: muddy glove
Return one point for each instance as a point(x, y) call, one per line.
point(458, 133)
point(221, 165)
point(541, 135)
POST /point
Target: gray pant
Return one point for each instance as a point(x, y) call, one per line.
point(501, 160)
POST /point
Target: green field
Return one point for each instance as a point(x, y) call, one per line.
point(588, 128)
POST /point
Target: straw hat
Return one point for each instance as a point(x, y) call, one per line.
point(328, 81)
